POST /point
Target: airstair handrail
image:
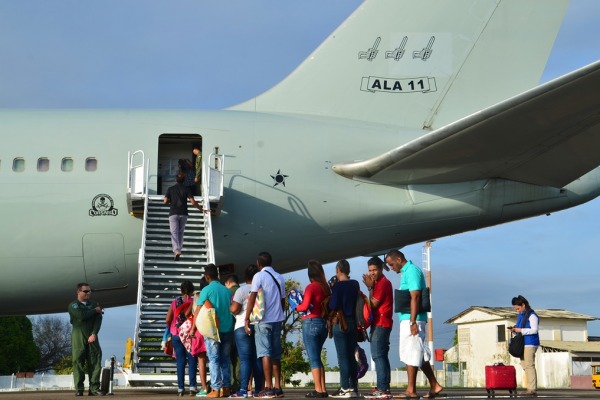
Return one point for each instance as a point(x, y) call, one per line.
point(219, 160)
point(141, 257)
point(210, 249)
point(131, 167)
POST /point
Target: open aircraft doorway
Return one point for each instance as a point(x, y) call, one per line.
point(173, 147)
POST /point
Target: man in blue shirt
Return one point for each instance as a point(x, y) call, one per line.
point(268, 330)
point(413, 323)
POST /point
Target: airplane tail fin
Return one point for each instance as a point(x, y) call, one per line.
point(421, 63)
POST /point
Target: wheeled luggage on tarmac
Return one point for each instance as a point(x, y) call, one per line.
point(500, 377)
point(105, 380)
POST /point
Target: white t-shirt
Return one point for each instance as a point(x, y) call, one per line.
point(241, 297)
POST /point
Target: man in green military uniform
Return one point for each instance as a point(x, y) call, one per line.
point(86, 318)
point(198, 178)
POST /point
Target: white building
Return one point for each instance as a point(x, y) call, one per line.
point(562, 361)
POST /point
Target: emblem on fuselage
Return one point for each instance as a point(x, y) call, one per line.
point(103, 205)
point(279, 178)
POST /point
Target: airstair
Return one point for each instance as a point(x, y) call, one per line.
point(160, 276)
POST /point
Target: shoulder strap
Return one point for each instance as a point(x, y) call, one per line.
point(525, 318)
point(277, 283)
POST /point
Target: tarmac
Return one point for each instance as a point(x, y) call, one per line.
point(297, 394)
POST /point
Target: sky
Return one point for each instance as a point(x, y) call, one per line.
point(198, 54)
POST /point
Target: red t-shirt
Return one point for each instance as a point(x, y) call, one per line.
point(314, 294)
point(382, 315)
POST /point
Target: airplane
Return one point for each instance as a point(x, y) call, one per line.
point(347, 156)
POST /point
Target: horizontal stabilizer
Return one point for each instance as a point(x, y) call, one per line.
point(548, 136)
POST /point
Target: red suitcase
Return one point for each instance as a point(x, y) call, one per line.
point(500, 377)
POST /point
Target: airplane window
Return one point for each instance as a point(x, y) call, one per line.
point(43, 164)
point(91, 164)
point(19, 164)
point(67, 164)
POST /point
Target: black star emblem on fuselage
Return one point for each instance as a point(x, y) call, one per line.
point(279, 178)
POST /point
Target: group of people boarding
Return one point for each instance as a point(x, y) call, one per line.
point(258, 343)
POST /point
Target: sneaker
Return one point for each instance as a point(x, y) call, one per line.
point(266, 393)
point(379, 394)
point(240, 393)
point(202, 393)
point(316, 395)
point(277, 392)
point(344, 394)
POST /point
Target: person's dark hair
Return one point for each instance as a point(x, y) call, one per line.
point(197, 147)
point(519, 301)
point(344, 266)
point(81, 284)
point(233, 278)
point(264, 259)
point(203, 283)
point(251, 270)
point(317, 274)
point(212, 271)
point(180, 178)
point(376, 261)
point(393, 254)
point(187, 287)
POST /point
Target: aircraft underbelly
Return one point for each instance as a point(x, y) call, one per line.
point(104, 260)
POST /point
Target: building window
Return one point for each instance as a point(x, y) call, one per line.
point(43, 164)
point(67, 164)
point(501, 335)
point(91, 164)
point(464, 336)
point(18, 164)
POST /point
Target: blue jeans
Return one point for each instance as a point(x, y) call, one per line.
point(380, 348)
point(314, 333)
point(219, 360)
point(345, 346)
point(183, 357)
point(249, 363)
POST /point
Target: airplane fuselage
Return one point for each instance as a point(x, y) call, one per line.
point(63, 224)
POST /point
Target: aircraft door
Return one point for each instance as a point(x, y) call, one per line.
point(104, 260)
point(173, 147)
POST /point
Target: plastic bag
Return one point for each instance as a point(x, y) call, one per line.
point(414, 351)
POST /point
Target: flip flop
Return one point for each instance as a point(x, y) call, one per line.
point(433, 395)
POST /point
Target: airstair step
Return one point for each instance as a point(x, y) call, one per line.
point(156, 272)
point(162, 276)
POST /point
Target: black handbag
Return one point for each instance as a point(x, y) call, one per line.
point(402, 301)
point(516, 346)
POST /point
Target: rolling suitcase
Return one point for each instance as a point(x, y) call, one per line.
point(500, 377)
point(105, 381)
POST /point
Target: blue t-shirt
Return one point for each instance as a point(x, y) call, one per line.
point(343, 296)
point(412, 279)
